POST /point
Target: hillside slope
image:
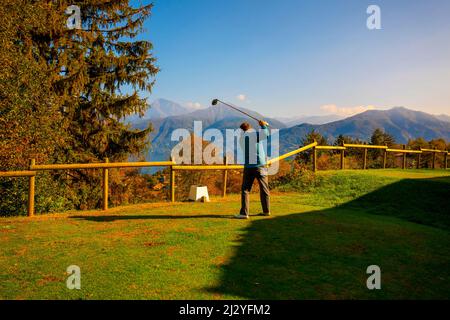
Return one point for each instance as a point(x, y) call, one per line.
point(400, 122)
point(316, 245)
point(158, 109)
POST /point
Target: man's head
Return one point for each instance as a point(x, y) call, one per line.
point(245, 126)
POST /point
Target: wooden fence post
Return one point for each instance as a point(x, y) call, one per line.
point(342, 159)
point(365, 159)
point(419, 158)
point(404, 158)
point(105, 186)
point(384, 158)
point(31, 184)
point(225, 177)
point(445, 160)
point(434, 159)
point(172, 182)
point(314, 162)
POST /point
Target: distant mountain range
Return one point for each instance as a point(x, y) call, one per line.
point(160, 109)
point(444, 117)
point(400, 122)
point(294, 121)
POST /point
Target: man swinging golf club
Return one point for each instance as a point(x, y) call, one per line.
point(252, 144)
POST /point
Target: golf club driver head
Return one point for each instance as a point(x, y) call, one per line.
point(214, 102)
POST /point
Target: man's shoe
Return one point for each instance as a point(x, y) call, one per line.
point(264, 214)
point(241, 216)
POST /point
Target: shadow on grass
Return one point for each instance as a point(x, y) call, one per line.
point(404, 228)
point(424, 201)
point(324, 254)
point(109, 218)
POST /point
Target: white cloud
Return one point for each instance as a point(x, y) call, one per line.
point(241, 97)
point(194, 105)
point(345, 111)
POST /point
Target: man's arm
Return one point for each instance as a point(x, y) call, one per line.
point(265, 126)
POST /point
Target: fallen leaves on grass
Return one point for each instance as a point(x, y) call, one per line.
point(154, 243)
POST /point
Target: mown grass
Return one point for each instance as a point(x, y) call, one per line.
point(317, 245)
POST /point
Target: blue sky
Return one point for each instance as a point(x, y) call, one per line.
point(292, 57)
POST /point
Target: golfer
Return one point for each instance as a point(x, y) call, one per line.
point(252, 144)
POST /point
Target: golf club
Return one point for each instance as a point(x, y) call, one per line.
point(215, 101)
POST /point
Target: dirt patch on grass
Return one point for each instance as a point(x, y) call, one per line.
point(154, 243)
point(171, 250)
point(7, 228)
point(48, 279)
point(152, 232)
point(21, 252)
point(60, 243)
point(220, 261)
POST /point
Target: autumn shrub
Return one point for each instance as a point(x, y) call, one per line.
point(299, 179)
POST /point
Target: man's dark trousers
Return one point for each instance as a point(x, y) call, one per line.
point(250, 174)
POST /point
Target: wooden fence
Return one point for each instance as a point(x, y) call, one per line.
point(105, 166)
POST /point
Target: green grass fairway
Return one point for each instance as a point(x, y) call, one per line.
point(317, 245)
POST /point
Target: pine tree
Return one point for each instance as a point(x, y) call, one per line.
point(381, 138)
point(27, 113)
point(97, 63)
point(64, 92)
point(313, 135)
point(30, 117)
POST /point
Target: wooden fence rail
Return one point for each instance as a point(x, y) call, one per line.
point(403, 151)
point(15, 174)
point(289, 154)
point(105, 166)
point(101, 165)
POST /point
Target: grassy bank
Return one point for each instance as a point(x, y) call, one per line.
point(317, 244)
